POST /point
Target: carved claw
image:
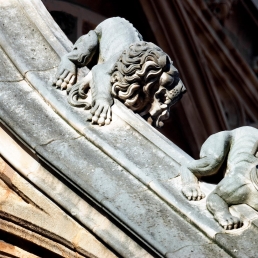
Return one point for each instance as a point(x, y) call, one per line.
point(193, 192)
point(65, 81)
point(229, 222)
point(108, 118)
point(65, 75)
point(89, 117)
point(100, 113)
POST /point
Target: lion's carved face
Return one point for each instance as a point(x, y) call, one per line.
point(146, 81)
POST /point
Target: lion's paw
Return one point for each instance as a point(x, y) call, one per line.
point(65, 75)
point(65, 81)
point(100, 113)
point(228, 222)
point(193, 192)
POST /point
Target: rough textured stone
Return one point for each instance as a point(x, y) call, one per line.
point(109, 184)
point(8, 70)
point(241, 243)
point(25, 112)
point(200, 251)
point(36, 53)
point(39, 15)
point(66, 198)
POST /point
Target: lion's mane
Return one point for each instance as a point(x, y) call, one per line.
point(135, 76)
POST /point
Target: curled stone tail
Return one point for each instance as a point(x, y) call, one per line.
point(73, 98)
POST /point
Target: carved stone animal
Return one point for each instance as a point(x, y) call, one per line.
point(238, 148)
point(138, 73)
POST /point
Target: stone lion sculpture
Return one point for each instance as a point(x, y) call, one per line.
point(238, 149)
point(136, 72)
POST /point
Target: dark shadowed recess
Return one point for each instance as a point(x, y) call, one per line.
point(130, 10)
point(67, 23)
point(26, 246)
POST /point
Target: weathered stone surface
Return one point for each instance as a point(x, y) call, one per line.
point(161, 226)
point(18, 32)
point(25, 112)
point(35, 10)
point(153, 164)
point(119, 192)
point(120, 140)
point(156, 216)
point(98, 176)
point(67, 199)
point(200, 251)
point(8, 70)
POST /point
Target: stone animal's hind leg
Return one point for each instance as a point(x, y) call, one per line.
point(235, 188)
point(190, 189)
point(219, 208)
point(213, 153)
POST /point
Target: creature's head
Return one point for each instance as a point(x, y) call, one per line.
point(146, 81)
point(84, 48)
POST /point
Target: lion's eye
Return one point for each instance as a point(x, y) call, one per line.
point(173, 71)
point(166, 80)
point(173, 84)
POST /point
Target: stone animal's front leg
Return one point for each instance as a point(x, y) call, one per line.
point(219, 208)
point(100, 113)
point(101, 95)
point(205, 166)
point(66, 74)
point(83, 51)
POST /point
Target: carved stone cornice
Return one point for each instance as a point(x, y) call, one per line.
point(128, 171)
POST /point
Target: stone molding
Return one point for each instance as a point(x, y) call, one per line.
point(128, 169)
